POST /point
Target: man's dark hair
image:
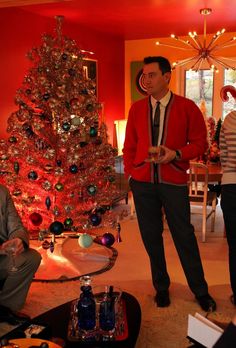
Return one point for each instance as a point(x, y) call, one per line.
point(164, 64)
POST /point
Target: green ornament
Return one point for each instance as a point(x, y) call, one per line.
point(12, 140)
point(68, 222)
point(59, 187)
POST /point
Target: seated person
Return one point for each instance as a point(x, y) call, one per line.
point(14, 285)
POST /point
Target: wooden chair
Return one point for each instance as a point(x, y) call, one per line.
point(200, 195)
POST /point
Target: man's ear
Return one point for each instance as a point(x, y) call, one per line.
point(167, 76)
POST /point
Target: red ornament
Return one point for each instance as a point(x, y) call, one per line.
point(36, 219)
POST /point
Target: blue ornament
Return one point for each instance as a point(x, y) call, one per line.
point(46, 96)
point(58, 162)
point(64, 56)
point(84, 91)
point(73, 169)
point(95, 219)
point(32, 175)
point(56, 227)
point(108, 239)
point(92, 189)
point(48, 202)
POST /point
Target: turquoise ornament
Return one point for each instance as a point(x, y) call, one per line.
point(92, 189)
point(73, 169)
point(93, 132)
point(85, 240)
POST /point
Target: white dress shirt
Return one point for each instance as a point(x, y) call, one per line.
point(163, 103)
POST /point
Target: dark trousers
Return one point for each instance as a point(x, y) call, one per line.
point(228, 205)
point(149, 199)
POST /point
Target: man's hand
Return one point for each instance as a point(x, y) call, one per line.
point(17, 243)
point(167, 155)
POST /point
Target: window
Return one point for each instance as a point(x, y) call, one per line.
point(207, 85)
point(199, 86)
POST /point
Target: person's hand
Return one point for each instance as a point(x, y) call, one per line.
point(154, 153)
point(17, 243)
point(166, 155)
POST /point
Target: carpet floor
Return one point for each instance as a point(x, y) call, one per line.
point(160, 327)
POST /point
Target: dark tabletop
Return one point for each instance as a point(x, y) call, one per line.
point(56, 321)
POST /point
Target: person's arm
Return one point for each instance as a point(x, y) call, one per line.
point(223, 148)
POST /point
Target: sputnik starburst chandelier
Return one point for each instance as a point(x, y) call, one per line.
point(204, 51)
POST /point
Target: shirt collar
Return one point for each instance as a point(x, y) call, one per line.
point(163, 101)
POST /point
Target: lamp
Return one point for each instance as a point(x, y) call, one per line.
point(119, 135)
point(204, 51)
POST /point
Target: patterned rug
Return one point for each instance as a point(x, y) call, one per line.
point(160, 327)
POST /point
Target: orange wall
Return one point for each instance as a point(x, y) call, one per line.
point(136, 50)
point(20, 31)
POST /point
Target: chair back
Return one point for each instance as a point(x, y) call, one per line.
point(198, 182)
point(200, 195)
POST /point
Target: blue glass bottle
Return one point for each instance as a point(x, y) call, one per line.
point(86, 309)
point(107, 312)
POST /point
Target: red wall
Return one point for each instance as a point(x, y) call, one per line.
point(20, 31)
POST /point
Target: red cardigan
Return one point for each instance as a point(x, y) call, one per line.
point(184, 130)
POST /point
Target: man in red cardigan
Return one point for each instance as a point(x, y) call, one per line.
point(174, 127)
